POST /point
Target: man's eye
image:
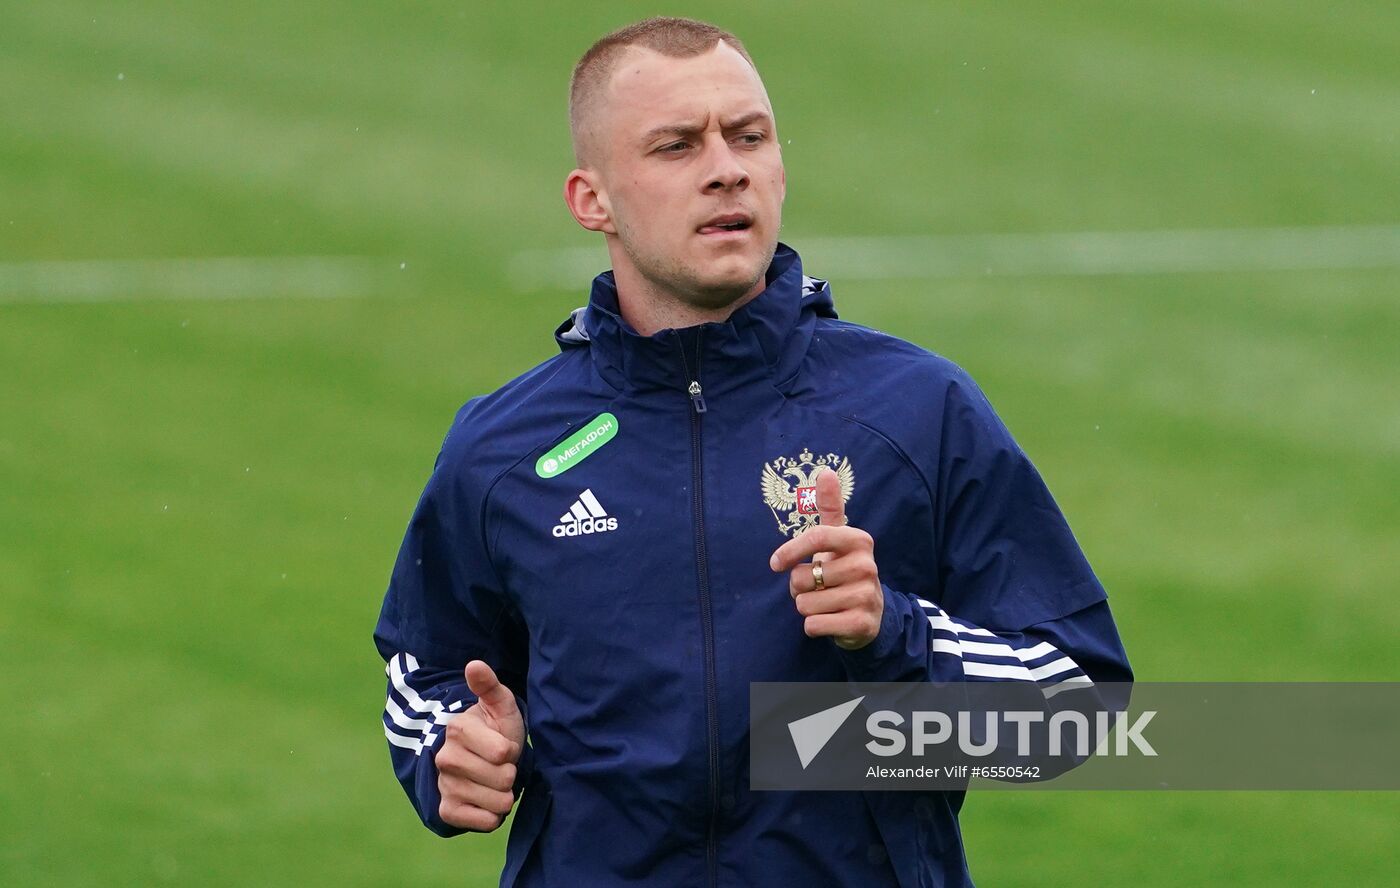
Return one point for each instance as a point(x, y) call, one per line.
point(675, 147)
point(751, 138)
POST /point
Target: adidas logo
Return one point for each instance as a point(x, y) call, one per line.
point(585, 516)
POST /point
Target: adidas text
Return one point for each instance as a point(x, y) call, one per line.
point(584, 527)
point(585, 516)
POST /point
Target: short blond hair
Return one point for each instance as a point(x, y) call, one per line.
point(677, 38)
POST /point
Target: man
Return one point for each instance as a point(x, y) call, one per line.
point(716, 482)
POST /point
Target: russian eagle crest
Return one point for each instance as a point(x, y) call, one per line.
point(794, 503)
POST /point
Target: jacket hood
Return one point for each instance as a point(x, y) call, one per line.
point(770, 331)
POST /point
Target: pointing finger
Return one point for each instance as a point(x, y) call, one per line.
point(836, 540)
point(831, 506)
point(799, 549)
point(495, 698)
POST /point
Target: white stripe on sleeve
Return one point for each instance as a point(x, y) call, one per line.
point(405, 742)
point(988, 646)
point(1069, 684)
point(996, 670)
point(421, 716)
point(1050, 670)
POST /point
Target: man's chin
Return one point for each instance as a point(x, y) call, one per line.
point(717, 291)
point(728, 278)
point(713, 282)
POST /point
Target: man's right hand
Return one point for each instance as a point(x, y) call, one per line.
point(476, 763)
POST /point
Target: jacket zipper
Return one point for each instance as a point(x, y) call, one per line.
point(702, 572)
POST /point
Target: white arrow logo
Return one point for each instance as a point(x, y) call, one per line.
point(811, 733)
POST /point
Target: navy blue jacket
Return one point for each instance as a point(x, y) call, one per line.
point(628, 603)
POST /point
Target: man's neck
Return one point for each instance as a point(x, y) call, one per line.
point(648, 314)
point(647, 309)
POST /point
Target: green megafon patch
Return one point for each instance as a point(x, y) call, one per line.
point(578, 446)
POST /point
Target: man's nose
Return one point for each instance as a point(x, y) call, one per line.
point(727, 170)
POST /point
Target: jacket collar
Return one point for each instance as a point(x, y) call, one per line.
point(767, 336)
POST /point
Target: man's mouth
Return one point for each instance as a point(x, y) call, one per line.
point(726, 224)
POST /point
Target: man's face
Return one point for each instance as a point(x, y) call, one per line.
point(691, 174)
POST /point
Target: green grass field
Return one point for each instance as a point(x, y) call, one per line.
point(200, 499)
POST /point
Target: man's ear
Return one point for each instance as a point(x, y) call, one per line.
point(588, 202)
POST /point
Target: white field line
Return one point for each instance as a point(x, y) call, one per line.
point(243, 277)
point(1065, 253)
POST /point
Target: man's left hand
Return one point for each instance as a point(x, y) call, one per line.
point(850, 603)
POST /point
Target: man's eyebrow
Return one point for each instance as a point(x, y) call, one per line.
point(692, 128)
point(746, 119)
point(672, 129)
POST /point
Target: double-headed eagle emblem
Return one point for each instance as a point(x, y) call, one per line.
point(794, 503)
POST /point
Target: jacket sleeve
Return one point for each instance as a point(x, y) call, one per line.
point(444, 607)
point(1014, 597)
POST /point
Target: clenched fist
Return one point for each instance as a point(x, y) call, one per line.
point(476, 763)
